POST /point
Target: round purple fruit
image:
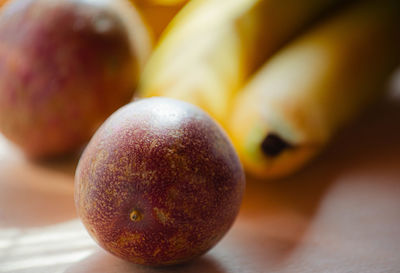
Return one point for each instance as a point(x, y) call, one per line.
point(159, 183)
point(65, 66)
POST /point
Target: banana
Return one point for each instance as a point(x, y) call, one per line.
point(212, 47)
point(158, 13)
point(314, 86)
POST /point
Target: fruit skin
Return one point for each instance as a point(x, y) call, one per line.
point(316, 85)
point(169, 161)
point(212, 47)
point(65, 66)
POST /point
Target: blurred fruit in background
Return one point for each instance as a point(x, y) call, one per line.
point(317, 84)
point(65, 66)
point(212, 47)
point(158, 13)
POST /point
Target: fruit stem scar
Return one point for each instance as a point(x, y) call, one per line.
point(273, 145)
point(135, 215)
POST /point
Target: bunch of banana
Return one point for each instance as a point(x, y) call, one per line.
point(282, 115)
point(318, 83)
point(212, 47)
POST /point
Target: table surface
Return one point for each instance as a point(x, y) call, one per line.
point(340, 214)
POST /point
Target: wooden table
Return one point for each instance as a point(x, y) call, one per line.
point(340, 214)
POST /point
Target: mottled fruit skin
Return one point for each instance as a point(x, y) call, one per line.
point(159, 183)
point(65, 66)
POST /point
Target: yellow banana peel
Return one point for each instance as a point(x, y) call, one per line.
point(318, 83)
point(212, 47)
point(158, 13)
